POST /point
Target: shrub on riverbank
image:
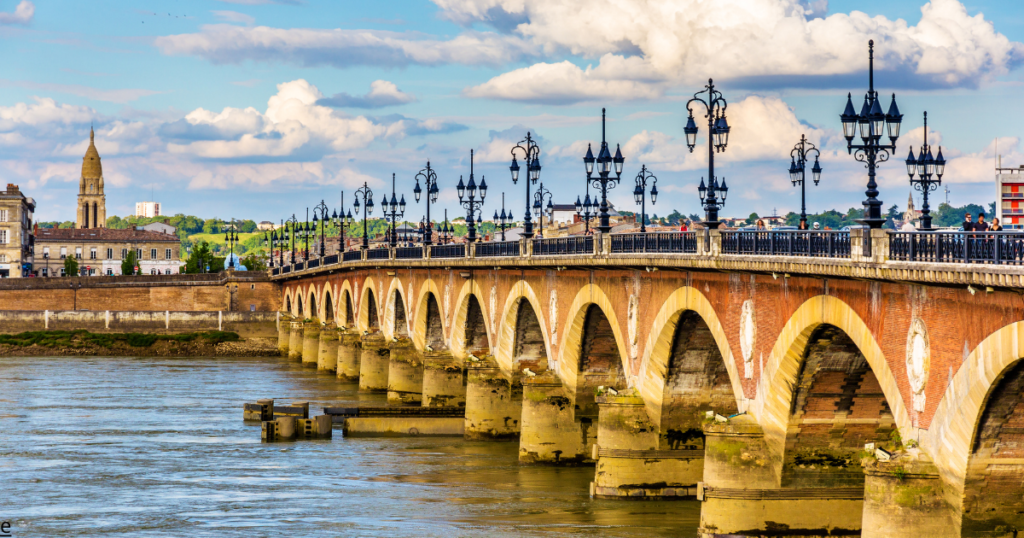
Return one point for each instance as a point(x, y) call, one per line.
point(83, 338)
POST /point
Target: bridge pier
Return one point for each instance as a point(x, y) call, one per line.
point(742, 494)
point(295, 341)
point(443, 380)
point(349, 350)
point(405, 374)
point(629, 462)
point(903, 498)
point(327, 357)
point(550, 432)
point(310, 343)
point(494, 404)
point(373, 363)
point(284, 333)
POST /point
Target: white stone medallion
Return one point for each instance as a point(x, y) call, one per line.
point(918, 363)
point(748, 331)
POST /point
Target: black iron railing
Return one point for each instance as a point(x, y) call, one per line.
point(1004, 248)
point(332, 259)
point(572, 245)
point(811, 243)
point(408, 253)
point(497, 248)
point(448, 251)
point(352, 256)
point(312, 264)
point(286, 269)
point(378, 254)
point(298, 266)
point(275, 271)
point(673, 242)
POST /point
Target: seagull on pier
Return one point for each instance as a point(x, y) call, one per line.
point(529, 373)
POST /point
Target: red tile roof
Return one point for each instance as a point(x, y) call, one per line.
point(101, 234)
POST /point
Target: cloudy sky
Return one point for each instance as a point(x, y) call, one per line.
point(260, 108)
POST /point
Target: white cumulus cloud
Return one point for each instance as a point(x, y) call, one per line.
point(382, 93)
point(22, 14)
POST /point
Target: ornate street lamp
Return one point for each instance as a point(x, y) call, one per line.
point(531, 157)
point(429, 177)
point(342, 221)
point(538, 206)
point(392, 212)
point(926, 166)
point(321, 212)
point(305, 230)
point(798, 172)
point(367, 195)
point(446, 230)
point(585, 210)
point(639, 194)
point(603, 181)
point(504, 220)
point(231, 238)
point(468, 199)
point(270, 241)
point(873, 124)
point(292, 225)
point(712, 196)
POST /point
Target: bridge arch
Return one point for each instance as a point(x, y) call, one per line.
point(966, 428)
point(328, 304)
point(368, 307)
point(288, 300)
point(782, 374)
point(658, 348)
point(396, 311)
point(601, 321)
point(469, 330)
point(312, 308)
point(428, 312)
point(345, 316)
point(521, 321)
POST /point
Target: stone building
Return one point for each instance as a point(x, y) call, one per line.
point(16, 238)
point(92, 203)
point(100, 251)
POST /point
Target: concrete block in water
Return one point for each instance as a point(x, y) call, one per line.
point(262, 410)
point(295, 410)
point(398, 426)
point(318, 427)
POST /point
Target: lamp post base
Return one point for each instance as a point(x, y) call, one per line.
point(871, 223)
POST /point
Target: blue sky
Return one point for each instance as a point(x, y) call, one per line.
point(260, 108)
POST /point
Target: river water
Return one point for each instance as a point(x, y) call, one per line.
point(157, 447)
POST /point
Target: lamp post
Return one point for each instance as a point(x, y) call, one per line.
point(531, 157)
point(538, 205)
point(603, 181)
point(342, 221)
point(798, 172)
point(926, 166)
point(585, 210)
point(292, 235)
point(366, 194)
point(270, 241)
point(231, 238)
point(321, 212)
point(468, 199)
point(640, 191)
point(306, 231)
point(718, 131)
point(429, 177)
point(873, 123)
point(446, 230)
point(393, 212)
point(504, 219)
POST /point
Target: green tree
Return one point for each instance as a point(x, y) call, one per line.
point(247, 226)
point(66, 225)
point(128, 264)
point(199, 258)
point(891, 215)
point(70, 266)
point(253, 262)
point(212, 226)
point(753, 218)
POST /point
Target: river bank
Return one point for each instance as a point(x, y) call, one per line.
point(87, 344)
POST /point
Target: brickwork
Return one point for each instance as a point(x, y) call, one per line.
point(697, 382)
point(600, 364)
point(528, 348)
point(400, 320)
point(476, 327)
point(435, 328)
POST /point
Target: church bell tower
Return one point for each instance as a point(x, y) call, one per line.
point(92, 203)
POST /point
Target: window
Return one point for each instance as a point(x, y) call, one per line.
point(3, 258)
point(4, 237)
point(46, 252)
point(63, 253)
point(152, 253)
point(92, 253)
point(78, 253)
point(167, 271)
point(62, 272)
point(124, 254)
point(110, 254)
point(167, 254)
point(154, 272)
point(3, 215)
point(110, 272)
point(44, 273)
point(138, 254)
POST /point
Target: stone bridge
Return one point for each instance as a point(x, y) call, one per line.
point(756, 382)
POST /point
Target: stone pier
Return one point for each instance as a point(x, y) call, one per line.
point(405, 374)
point(349, 350)
point(284, 334)
point(629, 462)
point(903, 498)
point(443, 380)
point(310, 343)
point(295, 341)
point(494, 403)
point(550, 433)
point(742, 496)
point(373, 363)
point(327, 357)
